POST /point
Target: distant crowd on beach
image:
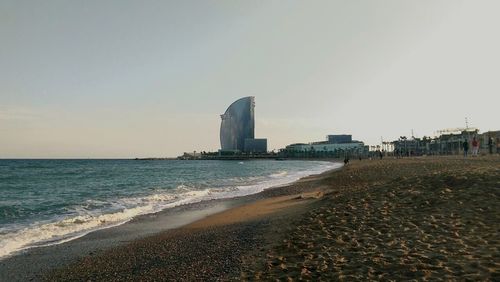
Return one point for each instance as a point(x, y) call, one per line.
point(493, 147)
point(467, 146)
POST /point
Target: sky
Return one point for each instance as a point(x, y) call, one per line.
point(126, 79)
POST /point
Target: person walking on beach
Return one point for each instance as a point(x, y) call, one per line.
point(475, 146)
point(465, 146)
point(346, 160)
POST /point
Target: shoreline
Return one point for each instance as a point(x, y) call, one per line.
point(33, 262)
point(53, 233)
point(402, 219)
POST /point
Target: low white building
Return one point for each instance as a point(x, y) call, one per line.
point(326, 147)
point(335, 146)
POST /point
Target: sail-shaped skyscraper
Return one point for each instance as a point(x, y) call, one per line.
point(237, 129)
point(238, 124)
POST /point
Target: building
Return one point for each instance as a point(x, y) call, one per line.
point(450, 142)
point(339, 139)
point(409, 146)
point(335, 146)
point(237, 129)
point(327, 147)
point(238, 124)
point(255, 145)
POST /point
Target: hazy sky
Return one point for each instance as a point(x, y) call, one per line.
point(150, 78)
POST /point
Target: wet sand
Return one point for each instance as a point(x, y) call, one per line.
point(434, 218)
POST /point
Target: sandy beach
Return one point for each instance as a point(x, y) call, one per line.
point(428, 218)
point(425, 219)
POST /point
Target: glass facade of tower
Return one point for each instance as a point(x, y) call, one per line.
point(238, 124)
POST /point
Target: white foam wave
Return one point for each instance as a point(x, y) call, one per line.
point(279, 174)
point(123, 210)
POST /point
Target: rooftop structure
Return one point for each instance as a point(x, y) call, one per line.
point(339, 139)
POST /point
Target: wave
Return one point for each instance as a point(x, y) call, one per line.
point(279, 174)
point(90, 218)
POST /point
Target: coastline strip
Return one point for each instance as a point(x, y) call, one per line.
point(433, 218)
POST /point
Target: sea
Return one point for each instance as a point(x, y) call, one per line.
point(46, 202)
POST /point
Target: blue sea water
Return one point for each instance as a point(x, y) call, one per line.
point(46, 202)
